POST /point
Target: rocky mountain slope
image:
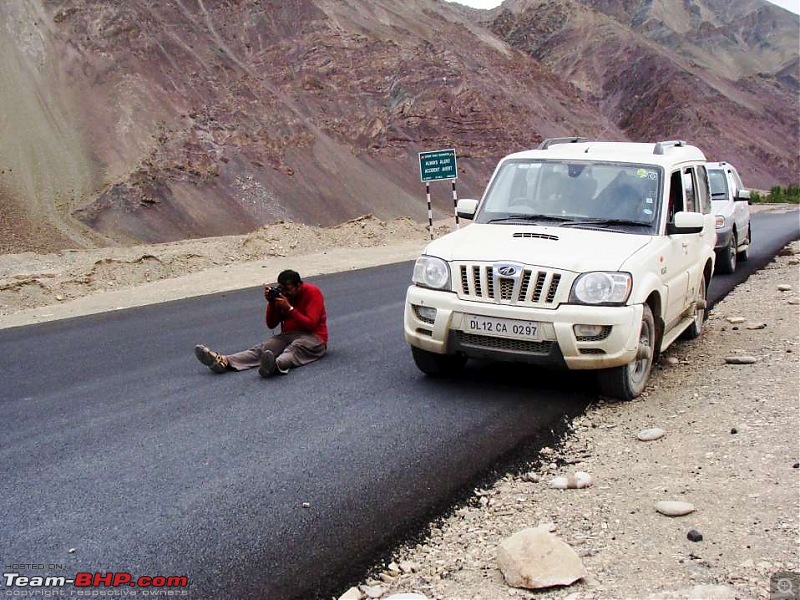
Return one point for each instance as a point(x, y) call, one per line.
point(153, 121)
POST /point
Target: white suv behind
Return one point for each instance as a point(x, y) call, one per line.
point(730, 203)
point(582, 255)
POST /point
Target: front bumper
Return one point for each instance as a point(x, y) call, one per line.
point(723, 238)
point(558, 346)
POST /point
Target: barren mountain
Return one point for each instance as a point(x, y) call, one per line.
point(153, 121)
point(722, 74)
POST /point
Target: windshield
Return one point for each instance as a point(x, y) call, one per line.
point(718, 183)
point(575, 193)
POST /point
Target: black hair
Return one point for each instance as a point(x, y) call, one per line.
point(575, 169)
point(289, 276)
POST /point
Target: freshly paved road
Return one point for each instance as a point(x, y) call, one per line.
point(771, 232)
point(121, 453)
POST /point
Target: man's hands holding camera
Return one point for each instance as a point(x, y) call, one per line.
point(272, 291)
point(274, 295)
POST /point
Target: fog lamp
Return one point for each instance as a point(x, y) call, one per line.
point(426, 313)
point(587, 330)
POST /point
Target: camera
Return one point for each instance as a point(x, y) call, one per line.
point(273, 292)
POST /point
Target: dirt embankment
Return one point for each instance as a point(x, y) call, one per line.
point(29, 280)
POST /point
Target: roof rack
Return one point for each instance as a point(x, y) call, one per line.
point(661, 146)
point(563, 140)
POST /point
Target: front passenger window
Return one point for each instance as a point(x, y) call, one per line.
point(675, 196)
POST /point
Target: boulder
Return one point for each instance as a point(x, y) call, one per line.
point(534, 558)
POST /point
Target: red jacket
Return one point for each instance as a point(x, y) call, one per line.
point(308, 315)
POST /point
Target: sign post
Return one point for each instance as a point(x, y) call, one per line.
point(434, 166)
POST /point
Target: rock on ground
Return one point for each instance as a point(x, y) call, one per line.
point(534, 558)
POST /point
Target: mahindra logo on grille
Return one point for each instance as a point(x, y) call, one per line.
point(507, 270)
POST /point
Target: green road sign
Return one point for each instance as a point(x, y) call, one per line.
point(439, 164)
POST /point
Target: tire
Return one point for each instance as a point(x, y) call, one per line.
point(743, 254)
point(726, 262)
point(696, 328)
point(437, 365)
point(628, 381)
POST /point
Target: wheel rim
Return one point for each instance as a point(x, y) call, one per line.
point(639, 370)
point(732, 253)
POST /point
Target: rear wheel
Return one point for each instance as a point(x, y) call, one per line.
point(437, 365)
point(696, 328)
point(727, 258)
point(628, 381)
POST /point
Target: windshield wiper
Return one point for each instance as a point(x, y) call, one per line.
point(601, 222)
point(529, 217)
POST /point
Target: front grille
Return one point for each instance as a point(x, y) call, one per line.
point(528, 287)
point(592, 351)
point(485, 341)
point(506, 288)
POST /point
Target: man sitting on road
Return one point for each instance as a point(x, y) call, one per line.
point(300, 309)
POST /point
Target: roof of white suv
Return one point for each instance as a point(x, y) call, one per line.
point(720, 165)
point(661, 153)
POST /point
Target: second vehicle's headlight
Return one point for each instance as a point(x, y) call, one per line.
point(431, 272)
point(719, 221)
point(601, 288)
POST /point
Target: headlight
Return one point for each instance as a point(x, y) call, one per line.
point(719, 222)
point(601, 288)
point(431, 272)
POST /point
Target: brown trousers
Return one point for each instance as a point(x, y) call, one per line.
point(291, 350)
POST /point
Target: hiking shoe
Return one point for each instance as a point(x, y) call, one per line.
point(267, 366)
point(213, 360)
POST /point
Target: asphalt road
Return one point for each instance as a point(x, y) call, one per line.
point(121, 453)
point(771, 232)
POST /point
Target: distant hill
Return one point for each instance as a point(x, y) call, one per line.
point(158, 121)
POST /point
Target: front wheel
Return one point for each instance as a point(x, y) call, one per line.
point(437, 365)
point(743, 254)
point(628, 381)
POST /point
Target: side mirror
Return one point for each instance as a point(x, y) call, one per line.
point(466, 208)
point(686, 222)
point(743, 196)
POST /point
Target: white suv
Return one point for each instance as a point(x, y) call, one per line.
point(582, 255)
point(729, 201)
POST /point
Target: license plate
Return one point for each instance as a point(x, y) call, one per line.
point(506, 328)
